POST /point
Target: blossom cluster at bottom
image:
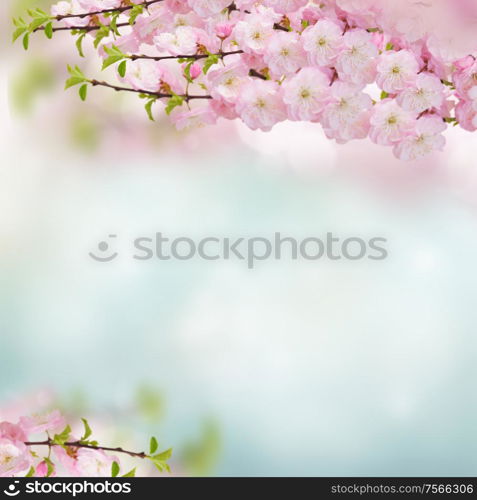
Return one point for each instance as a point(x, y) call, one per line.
point(64, 454)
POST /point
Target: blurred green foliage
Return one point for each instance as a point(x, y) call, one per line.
point(34, 78)
point(150, 403)
point(85, 131)
point(18, 7)
point(201, 457)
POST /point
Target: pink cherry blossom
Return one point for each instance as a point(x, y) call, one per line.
point(260, 106)
point(14, 457)
point(264, 61)
point(390, 123)
point(306, 94)
point(49, 422)
point(396, 70)
point(427, 137)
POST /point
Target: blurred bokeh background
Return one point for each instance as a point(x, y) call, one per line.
point(293, 368)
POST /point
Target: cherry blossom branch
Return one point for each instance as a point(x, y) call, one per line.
point(135, 57)
point(158, 95)
point(79, 444)
point(81, 28)
point(119, 10)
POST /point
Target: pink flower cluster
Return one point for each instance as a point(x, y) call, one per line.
point(398, 72)
point(18, 458)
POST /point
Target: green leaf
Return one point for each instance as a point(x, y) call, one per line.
point(389, 46)
point(114, 55)
point(103, 32)
point(79, 44)
point(173, 103)
point(160, 460)
point(122, 69)
point(131, 473)
point(87, 430)
point(26, 41)
point(209, 62)
point(148, 108)
point(384, 95)
point(36, 23)
point(135, 11)
point(153, 445)
point(49, 30)
point(115, 469)
point(60, 439)
point(18, 33)
point(31, 472)
point(187, 71)
point(76, 78)
point(83, 92)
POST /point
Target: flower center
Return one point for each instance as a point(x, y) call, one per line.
point(396, 70)
point(392, 120)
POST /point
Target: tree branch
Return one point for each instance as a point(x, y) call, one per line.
point(159, 95)
point(145, 4)
point(78, 444)
point(82, 28)
point(135, 57)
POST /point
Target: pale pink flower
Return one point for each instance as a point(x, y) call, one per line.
point(259, 104)
point(347, 116)
point(357, 60)
point(48, 422)
point(426, 92)
point(390, 123)
point(306, 94)
point(208, 7)
point(284, 54)
point(14, 457)
point(12, 432)
point(396, 70)
point(254, 33)
point(322, 42)
point(426, 138)
point(94, 463)
point(226, 82)
point(183, 41)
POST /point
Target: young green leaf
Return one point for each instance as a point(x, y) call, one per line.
point(49, 30)
point(114, 55)
point(135, 11)
point(60, 439)
point(148, 108)
point(122, 69)
point(83, 92)
point(131, 473)
point(209, 62)
point(79, 44)
point(115, 469)
point(153, 445)
point(87, 430)
point(26, 41)
point(31, 472)
point(173, 103)
point(76, 77)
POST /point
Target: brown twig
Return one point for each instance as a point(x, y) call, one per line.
point(120, 10)
point(78, 444)
point(135, 57)
point(159, 95)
